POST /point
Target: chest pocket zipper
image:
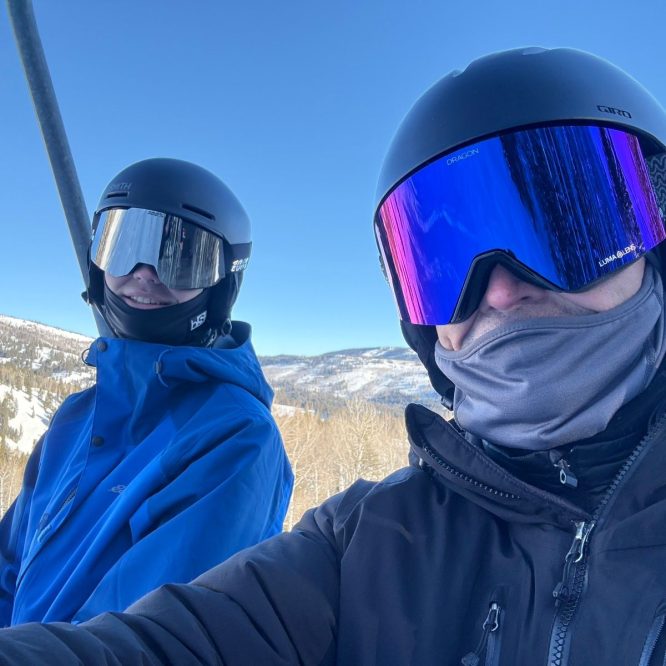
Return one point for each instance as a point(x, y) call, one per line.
point(650, 654)
point(489, 644)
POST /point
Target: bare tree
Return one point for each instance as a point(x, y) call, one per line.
point(301, 430)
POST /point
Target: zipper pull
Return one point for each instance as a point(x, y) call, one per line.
point(575, 555)
point(577, 549)
point(567, 477)
point(490, 624)
point(492, 621)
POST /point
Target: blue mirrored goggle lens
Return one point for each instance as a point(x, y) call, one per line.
point(572, 204)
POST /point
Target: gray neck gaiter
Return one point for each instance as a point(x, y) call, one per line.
point(545, 382)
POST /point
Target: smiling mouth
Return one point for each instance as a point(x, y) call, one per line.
point(146, 300)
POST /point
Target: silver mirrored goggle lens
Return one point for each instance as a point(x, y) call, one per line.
point(184, 255)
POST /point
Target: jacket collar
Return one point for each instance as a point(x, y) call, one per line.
point(234, 362)
point(593, 462)
point(440, 447)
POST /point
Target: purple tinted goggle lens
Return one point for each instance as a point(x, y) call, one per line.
point(567, 205)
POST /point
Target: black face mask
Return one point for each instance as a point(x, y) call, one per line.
point(181, 324)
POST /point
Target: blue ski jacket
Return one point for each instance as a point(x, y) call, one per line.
point(167, 466)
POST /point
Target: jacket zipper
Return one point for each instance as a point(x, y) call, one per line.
point(651, 640)
point(461, 475)
point(564, 589)
point(44, 528)
point(568, 591)
point(489, 642)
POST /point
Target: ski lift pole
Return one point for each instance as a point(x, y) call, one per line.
point(36, 70)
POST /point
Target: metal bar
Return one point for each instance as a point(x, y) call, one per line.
point(44, 100)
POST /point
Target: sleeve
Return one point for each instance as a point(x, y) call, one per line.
point(13, 531)
point(273, 604)
point(215, 502)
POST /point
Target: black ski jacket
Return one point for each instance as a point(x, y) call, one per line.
point(452, 560)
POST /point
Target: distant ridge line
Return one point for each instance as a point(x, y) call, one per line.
point(17, 321)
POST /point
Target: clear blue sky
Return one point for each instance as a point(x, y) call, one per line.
point(291, 103)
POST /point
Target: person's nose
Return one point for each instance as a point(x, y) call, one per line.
point(505, 291)
point(146, 273)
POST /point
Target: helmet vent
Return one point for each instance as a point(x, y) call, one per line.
point(199, 211)
point(116, 195)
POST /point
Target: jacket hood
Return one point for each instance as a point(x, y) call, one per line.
point(231, 360)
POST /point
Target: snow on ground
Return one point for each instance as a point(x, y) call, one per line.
point(285, 410)
point(381, 374)
point(31, 417)
point(75, 377)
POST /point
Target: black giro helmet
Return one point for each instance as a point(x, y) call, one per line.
point(196, 196)
point(507, 91)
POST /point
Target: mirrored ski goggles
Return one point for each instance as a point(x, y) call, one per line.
point(184, 255)
point(562, 206)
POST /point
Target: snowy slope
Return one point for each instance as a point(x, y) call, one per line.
point(39, 366)
point(31, 419)
point(390, 376)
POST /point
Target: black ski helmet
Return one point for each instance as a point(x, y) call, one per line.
point(190, 192)
point(505, 91)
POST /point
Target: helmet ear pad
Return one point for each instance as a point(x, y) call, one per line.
point(95, 291)
point(222, 298)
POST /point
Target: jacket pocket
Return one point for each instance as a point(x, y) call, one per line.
point(654, 648)
point(489, 644)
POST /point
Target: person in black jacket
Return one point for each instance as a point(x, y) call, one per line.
point(520, 223)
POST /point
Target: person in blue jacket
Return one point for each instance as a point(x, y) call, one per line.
point(171, 462)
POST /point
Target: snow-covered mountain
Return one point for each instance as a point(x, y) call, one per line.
point(40, 365)
point(391, 376)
